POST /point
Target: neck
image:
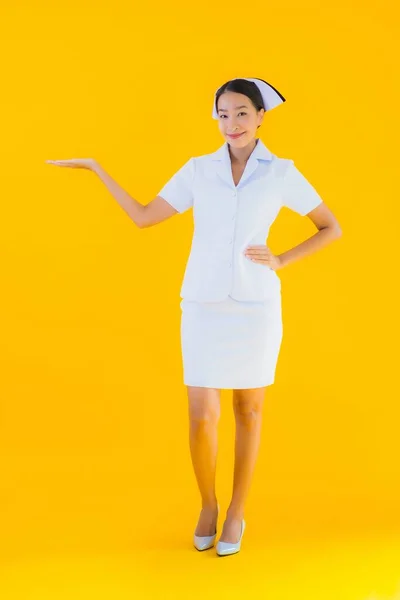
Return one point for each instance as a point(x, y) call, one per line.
point(241, 155)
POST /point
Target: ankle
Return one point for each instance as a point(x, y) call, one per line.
point(211, 506)
point(235, 513)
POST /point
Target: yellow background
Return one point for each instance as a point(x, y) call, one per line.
point(97, 494)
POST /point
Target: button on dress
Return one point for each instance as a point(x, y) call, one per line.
point(231, 312)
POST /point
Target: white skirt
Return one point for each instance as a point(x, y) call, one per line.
point(231, 344)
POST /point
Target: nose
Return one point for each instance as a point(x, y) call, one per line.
point(230, 126)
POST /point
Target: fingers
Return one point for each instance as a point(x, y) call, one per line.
point(59, 163)
point(257, 251)
point(67, 163)
point(259, 254)
point(76, 163)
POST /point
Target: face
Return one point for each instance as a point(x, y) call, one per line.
point(237, 114)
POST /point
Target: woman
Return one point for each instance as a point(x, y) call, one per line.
point(231, 325)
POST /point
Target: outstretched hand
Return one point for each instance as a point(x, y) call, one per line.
point(75, 163)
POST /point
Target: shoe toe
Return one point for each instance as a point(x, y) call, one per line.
point(224, 548)
point(204, 542)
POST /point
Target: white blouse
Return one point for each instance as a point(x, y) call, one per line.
point(228, 218)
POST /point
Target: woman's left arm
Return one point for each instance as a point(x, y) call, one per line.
point(328, 231)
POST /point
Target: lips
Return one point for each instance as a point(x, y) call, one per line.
point(236, 135)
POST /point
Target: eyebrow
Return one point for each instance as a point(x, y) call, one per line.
point(236, 108)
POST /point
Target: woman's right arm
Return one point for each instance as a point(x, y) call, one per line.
point(155, 212)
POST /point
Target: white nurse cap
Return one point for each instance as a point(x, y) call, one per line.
point(270, 95)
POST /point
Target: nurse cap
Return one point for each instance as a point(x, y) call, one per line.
point(270, 95)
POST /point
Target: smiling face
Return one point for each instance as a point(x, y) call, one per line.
point(237, 114)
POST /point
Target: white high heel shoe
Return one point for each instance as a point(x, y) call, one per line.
point(226, 548)
point(204, 542)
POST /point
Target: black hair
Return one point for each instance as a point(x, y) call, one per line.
point(247, 88)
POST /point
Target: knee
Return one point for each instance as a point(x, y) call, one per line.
point(248, 411)
point(204, 409)
point(203, 416)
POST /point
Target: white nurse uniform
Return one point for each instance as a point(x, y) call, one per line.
point(231, 321)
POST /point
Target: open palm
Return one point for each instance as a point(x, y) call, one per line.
point(74, 163)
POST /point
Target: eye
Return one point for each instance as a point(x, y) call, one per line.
point(241, 113)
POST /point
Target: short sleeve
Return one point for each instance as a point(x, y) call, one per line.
point(178, 191)
point(298, 194)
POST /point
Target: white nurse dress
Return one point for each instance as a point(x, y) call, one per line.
point(231, 319)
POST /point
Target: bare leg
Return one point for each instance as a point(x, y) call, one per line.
point(204, 413)
point(247, 406)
